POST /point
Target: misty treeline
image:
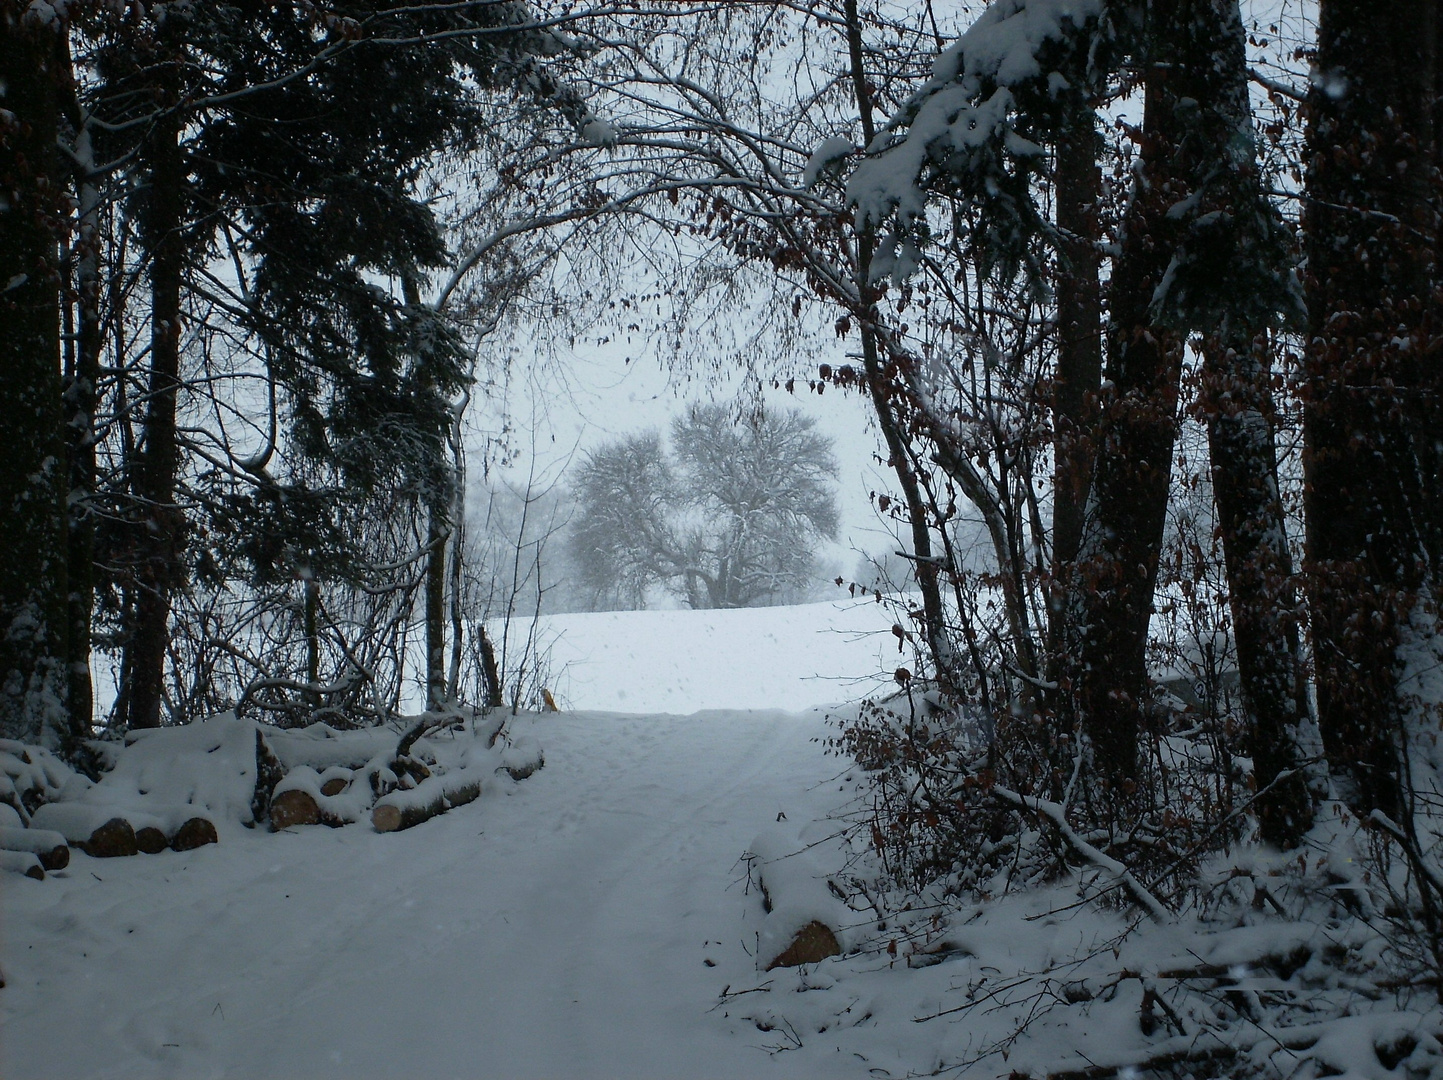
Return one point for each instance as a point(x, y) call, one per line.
point(1147, 291)
point(729, 516)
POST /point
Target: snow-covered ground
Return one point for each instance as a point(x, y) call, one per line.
point(681, 661)
point(557, 927)
point(599, 919)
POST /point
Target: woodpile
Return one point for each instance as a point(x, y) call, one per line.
point(303, 777)
point(106, 832)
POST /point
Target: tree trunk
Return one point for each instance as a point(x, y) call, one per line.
point(1259, 572)
point(312, 629)
point(1237, 403)
point(1370, 456)
point(1111, 591)
point(33, 590)
point(161, 520)
point(79, 397)
point(490, 675)
point(886, 398)
point(437, 532)
point(80, 401)
point(1079, 340)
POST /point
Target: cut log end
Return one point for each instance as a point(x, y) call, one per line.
point(150, 840)
point(114, 839)
point(22, 862)
point(46, 845)
point(813, 944)
point(334, 786)
point(196, 832)
point(294, 807)
point(386, 818)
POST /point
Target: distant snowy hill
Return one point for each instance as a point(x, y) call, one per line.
point(684, 661)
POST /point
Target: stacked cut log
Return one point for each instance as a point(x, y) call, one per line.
point(22, 862)
point(402, 809)
point(308, 802)
point(47, 846)
point(105, 832)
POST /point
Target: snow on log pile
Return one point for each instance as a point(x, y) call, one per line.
point(181, 788)
point(434, 795)
point(806, 920)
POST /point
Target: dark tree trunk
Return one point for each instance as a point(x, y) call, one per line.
point(1259, 572)
point(1079, 323)
point(159, 539)
point(311, 616)
point(887, 399)
point(490, 675)
point(1112, 588)
point(33, 586)
point(80, 397)
point(1370, 456)
point(1243, 244)
point(437, 533)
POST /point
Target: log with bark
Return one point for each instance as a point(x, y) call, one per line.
point(193, 833)
point(96, 830)
point(522, 758)
point(432, 796)
point(22, 862)
point(47, 846)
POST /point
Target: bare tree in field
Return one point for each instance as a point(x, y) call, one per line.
point(731, 518)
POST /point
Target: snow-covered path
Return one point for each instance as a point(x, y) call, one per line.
point(560, 929)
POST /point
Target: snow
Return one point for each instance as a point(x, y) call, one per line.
point(831, 150)
point(967, 103)
point(604, 917)
point(682, 661)
point(557, 926)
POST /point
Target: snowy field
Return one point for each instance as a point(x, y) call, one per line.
point(681, 661)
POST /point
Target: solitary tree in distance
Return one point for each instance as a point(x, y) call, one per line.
point(730, 518)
